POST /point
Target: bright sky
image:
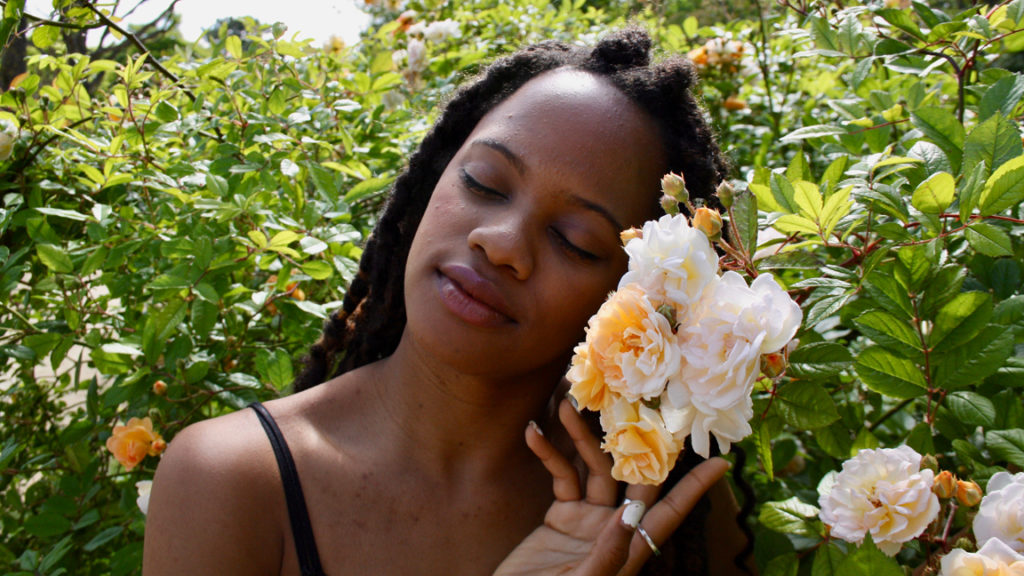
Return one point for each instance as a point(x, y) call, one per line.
point(317, 19)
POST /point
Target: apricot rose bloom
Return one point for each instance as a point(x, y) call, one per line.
point(134, 441)
point(672, 262)
point(883, 492)
point(643, 450)
point(729, 329)
point(995, 558)
point(630, 351)
point(1001, 515)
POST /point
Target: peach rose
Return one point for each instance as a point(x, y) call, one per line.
point(994, 559)
point(643, 450)
point(630, 351)
point(134, 441)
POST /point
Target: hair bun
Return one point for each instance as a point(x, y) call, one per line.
point(626, 48)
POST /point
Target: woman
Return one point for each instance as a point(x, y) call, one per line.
point(500, 240)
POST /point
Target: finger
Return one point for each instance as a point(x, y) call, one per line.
point(612, 546)
point(565, 482)
point(645, 492)
point(602, 489)
point(665, 516)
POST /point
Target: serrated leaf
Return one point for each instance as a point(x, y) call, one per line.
point(791, 516)
point(989, 240)
point(827, 560)
point(889, 331)
point(939, 125)
point(1007, 445)
point(868, 560)
point(960, 320)
point(367, 188)
point(819, 360)
point(888, 374)
point(782, 192)
point(994, 142)
point(744, 221)
point(901, 20)
point(806, 405)
point(884, 289)
point(1004, 188)
point(47, 525)
point(971, 408)
point(836, 440)
point(233, 44)
point(283, 238)
point(1002, 97)
point(976, 360)
point(935, 194)
point(793, 223)
point(971, 189)
point(103, 537)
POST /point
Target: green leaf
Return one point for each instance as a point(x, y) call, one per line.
point(783, 565)
point(935, 194)
point(819, 360)
point(1004, 188)
point(791, 516)
point(971, 189)
point(827, 560)
point(165, 112)
point(975, 361)
point(47, 525)
point(943, 129)
point(816, 131)
point(868, 560)
point(283, 238)
point(204, 317)
point(367, 188)
point(45, 36)
point(317, 269)
point(279, 371)
point(744, 221)
point(54, 258)
point(994, 142)
point(1007, 445)
point(233, 44)
point(103, 537)
point(806, 405)
point(1002, 97)
point(888, 331)
point(960, 320)
point(884, 289)
point(159, 326)
point(888, 374)
point(971, 408)
point(989, 240)
point(901, 20)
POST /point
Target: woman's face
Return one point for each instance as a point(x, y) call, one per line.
point(519, 244)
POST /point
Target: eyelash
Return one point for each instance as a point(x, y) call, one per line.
point(476, 187)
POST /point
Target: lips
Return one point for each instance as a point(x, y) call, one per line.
point(472, 297)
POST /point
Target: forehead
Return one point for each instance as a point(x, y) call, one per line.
point(579, 127)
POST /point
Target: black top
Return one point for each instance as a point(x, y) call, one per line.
point(298, 515)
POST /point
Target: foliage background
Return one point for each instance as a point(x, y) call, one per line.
point(190, 215)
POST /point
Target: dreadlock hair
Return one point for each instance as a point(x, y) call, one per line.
point(372, 317)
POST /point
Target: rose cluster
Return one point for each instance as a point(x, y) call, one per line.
point(675, 351)
point(888, 494)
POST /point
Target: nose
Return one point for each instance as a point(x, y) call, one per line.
point(505, 243)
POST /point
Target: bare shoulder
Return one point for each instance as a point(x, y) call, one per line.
point(217, 502)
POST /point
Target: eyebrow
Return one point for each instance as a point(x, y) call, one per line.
point(520, 167)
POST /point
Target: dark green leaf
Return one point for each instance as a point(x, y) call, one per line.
point(783, 565)
point(54, 258)
point(971, 189)
point(744, 221)
point(1002, 96)
point(901, 20)
point(827, 560)
point(943, 129)
point(806, 405)
point(103, 537)
point(868, 560)
point(819, 360)
point(791, 516)
point(960, 320)
point(989, 240)
point(975, 361)
point(889, 331)
point(836, 440)
point(889, 374)
point(920, 439)
point(47, 525)
point(1007, 445)
point(971, 408)
point(884, 289)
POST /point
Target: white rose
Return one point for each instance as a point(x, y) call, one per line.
point(994, 559)
point(417, 53)
point(144, 487)
point(442, 29)
point(883, 492)
point(671, 260)
point(1001, 514)
point(416, 29)
point(778, 315)
point(8, 135)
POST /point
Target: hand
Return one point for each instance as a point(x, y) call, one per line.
point(583, 532)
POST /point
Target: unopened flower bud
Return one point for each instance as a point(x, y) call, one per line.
point(966, 544)
point(159, 388)
point(929, 462)
point(299, 295)
point(968, 493)
point(726, 194)
point(157, 447)
point(670, 205)
point(709, 222)
point(630, 233)
point(674, 185)
point(773, 364)
point(669, 312)
point(945, 484)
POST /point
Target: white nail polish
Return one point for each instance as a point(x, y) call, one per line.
point(536, 428)
point(633, 513)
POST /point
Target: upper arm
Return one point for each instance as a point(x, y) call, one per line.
point(214, 508)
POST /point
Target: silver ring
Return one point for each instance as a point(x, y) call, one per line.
point(647, 538)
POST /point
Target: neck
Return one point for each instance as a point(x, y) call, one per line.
point(455, 423)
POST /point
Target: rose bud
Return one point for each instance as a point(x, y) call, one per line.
point(157, 447)
point(929, 462)
point(630, 233)
point(726, 193)
point(968, 493)
point(159, 388)
point(966, 544)
point(773, 364)
point(670, 205)
point(674, 185)
point(709, 222)
point(945, 484)
point(299, 295)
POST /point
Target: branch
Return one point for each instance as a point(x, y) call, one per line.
point(56, 24)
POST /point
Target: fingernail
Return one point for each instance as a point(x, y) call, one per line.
point(573, 402)
point(633, 513)
point(536, 428)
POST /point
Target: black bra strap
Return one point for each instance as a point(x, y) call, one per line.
point(302, 530)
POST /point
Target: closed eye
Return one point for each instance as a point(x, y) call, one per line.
point(573, 249)
point(476, 187)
